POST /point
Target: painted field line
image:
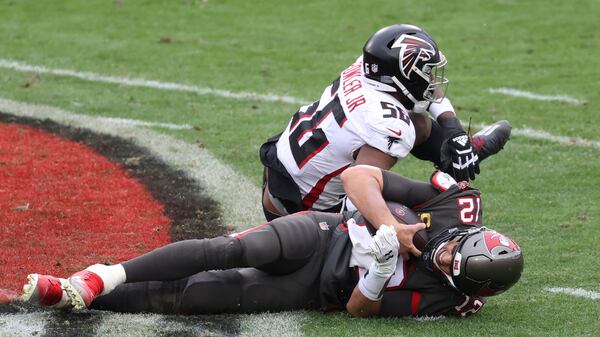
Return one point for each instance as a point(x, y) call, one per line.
point(564, 140)
point(537, 97)
point(19, 66)
point(269, 97)
point(237, 196)
point(576, 292)
point(135, 122)
point(546, 136)
point(140, 82)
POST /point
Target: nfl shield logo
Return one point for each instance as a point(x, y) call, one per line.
point(324, 226)
point(374, 67)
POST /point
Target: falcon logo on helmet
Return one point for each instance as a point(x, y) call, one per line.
point(412, 49)
point(408, 62)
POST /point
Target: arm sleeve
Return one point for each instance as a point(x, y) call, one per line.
point(406, 191)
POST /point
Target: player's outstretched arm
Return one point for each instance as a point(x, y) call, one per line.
point(363, 185)
point(366, 297)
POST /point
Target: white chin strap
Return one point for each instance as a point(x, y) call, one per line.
point(404, 90)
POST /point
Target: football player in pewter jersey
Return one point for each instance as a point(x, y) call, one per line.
point(313, 260)
point(368, 116)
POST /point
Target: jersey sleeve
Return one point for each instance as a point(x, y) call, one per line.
point(406, 191)
point(386, 127)
point(392, 137)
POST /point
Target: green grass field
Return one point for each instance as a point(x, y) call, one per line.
point(544, 193)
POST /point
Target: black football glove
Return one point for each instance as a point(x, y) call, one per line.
point(457, 157)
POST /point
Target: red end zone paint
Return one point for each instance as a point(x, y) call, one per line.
point(64, 207)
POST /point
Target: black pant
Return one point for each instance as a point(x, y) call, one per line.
point(271, 267)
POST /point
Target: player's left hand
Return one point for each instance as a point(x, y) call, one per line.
point(384, 249)
point(458, 158)
point(405, 235)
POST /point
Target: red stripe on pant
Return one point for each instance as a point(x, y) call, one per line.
point(414, 303)
point(314, 194)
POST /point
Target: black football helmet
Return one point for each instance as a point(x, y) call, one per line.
point(404, 58)
point(485, 262)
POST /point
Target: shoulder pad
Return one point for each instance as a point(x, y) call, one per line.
point(442, 181)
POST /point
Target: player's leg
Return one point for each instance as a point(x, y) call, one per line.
point(185, 258)
point(287, 240)
point(287, 243)
point(288, 283)
point(169, 263)
point(151, 296)
point(250, 290)
point(280, 194)
point(243, 290)
point(258, 247)
point(491, 139)
point(272, 207)
point(430, 137)
point(289, 253)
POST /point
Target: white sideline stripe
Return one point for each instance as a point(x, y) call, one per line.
point(547, 136)
point(539, 134)
point(237, 196)
point(538, 97)
point(134, 122)
point(576, 292)
point(269, 97)
point(140, 82)
point(23, 324)
point(19, 66)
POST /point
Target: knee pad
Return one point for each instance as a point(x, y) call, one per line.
point(212, 293)
point(260, 247)
point(223, 252)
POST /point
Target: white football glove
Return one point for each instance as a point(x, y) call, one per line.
point(384, 249)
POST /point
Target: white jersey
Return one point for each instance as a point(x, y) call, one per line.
point(321, 139)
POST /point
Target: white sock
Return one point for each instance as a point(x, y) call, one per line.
point(112, 276)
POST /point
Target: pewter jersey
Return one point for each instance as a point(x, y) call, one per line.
point(321, 139)
point(412, 289)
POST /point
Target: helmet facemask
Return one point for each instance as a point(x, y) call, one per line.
point(435, 245)
point(485, 262)
point(430, 80)
point(434, 74)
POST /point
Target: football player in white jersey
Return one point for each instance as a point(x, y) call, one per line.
point(368, 115)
